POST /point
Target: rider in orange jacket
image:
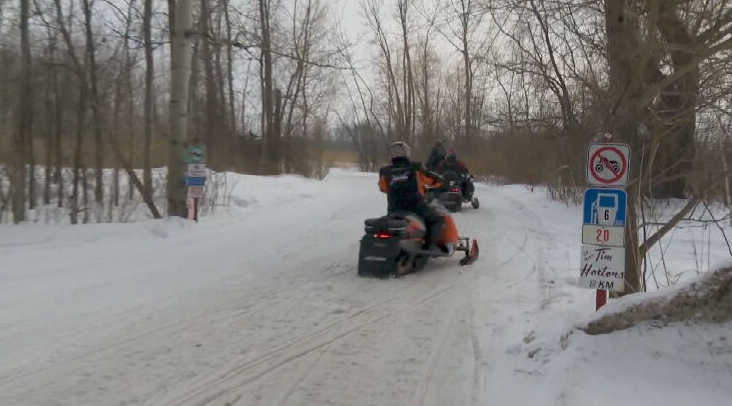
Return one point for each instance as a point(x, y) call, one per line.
point(404, 183)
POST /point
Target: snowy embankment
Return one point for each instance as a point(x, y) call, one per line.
point(259, 304)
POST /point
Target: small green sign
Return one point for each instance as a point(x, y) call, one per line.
point(196, 154)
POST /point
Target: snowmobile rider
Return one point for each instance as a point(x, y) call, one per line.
point(451, 163)
point(436, 156)
point(404, 184)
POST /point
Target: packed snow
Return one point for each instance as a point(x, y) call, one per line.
point(259, 304)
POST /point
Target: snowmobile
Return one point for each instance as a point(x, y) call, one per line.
point(450, 194)
point(395, 245)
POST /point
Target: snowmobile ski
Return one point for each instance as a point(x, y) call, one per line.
point(471, 253)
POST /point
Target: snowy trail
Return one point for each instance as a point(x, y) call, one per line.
point(261, 305)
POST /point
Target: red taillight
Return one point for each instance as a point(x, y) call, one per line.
point(455, 189)
point(382, 235)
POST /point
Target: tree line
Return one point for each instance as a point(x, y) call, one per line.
point(86, 89)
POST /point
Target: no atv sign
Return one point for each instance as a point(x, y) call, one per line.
point(608, 164)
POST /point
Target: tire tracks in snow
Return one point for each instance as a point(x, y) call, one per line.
point(250, 306)
point(215, 386)
point(529, 224)
point(543, 292)
point(447, 331)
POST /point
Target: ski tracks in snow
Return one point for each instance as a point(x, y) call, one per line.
point(424, 343)
point(509, 285)
point(232, 384)
point(305, 330)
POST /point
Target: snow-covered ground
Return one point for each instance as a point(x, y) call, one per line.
point(259, 304)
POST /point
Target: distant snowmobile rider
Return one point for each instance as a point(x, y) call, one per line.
point(451, 163)
point(437, 155)
point(404, 184)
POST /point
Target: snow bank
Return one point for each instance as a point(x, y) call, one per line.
point(707, 297)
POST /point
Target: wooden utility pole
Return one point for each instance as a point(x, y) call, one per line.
point(180, 68)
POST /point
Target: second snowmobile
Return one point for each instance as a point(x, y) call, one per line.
point(450, 194)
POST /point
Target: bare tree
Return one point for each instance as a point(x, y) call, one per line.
point(271, 139)
point(230, 66)
point(180, 66)
point(399, 99)
point(18, 172)
point(212, 117)
point(149, 104)
point(91, 64)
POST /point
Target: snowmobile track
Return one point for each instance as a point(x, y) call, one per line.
point(437, 350)
point(227, 382)
point(251, 305)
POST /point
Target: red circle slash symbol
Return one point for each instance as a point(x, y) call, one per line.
point(599, 163)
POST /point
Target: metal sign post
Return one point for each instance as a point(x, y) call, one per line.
point(196, 175)
point(604, 217)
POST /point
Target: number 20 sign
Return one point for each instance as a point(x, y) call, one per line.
point(601, 235)
point(604, 217)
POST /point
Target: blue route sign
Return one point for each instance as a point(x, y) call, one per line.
point(195, 181)
point(605, 207)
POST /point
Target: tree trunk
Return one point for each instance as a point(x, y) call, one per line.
point(149, 116)
point(406, 115)
point(468, 66)
point(30, 151)
point(271, 143)
point(622, 46)
point(48, 135)
point(131, 130)
point(230, 68)
point(51, 107)
point(96, 108)
point(195, 111)
point(58, 178)
point(211, 117)
point(80, 124)
point(675, 152)
point(85, 194)
point(468, 91)
point(180, 67)
point(17, 180)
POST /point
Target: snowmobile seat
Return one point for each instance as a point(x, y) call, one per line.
point(384, 224)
